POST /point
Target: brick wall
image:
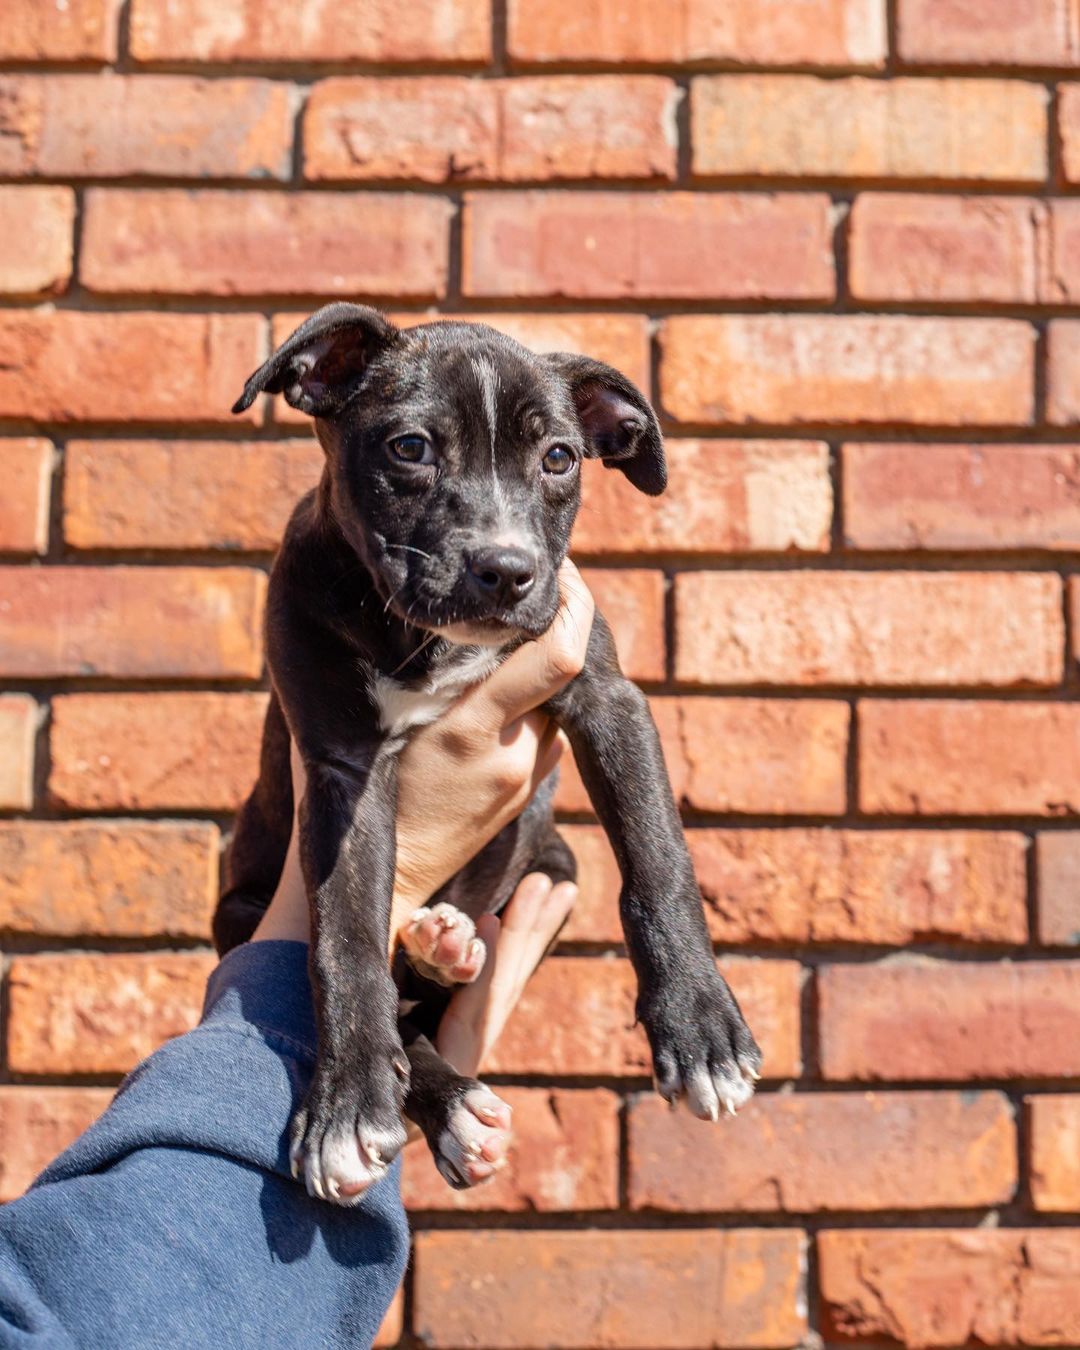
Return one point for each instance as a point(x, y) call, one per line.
point(838, 241)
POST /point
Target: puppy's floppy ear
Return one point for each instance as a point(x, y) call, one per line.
point(619, 423)
point(319, 367)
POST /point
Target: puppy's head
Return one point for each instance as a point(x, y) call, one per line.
point(454, 456)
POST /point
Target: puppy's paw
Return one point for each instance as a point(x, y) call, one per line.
point(473, 1142)
point(442, 945)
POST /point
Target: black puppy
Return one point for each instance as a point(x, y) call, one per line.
point(428, 551)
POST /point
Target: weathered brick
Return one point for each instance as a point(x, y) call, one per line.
point(1054, 1130)
point(108, 878)
point(65, 366)
point(440, 129)
point(18, 728)
point(1063, 373)
point(949, 1287)
point(180, 621)
point(987, 32)
point(827, 1151)
point(632, 601)
point(799, 126)
point(26, 466)
point(154, 752)
point(156, 126)
point(682, 245)
point(969, 758)
point(917, 1018)
point(868, 628)
point(228, 495)
point(179, 242)
point(38, 1123)
point(83, 1013)
point(603, 1289)
point(36, 225)
point(918, 496)
point(78, 30)
point(1068, 130)
point(795, 369)
point(1058, 868)
point(564, 1155)
point(352, 30)
point(844, 33)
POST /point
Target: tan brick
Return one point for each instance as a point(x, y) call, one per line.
point(79, 30)
point(868, 628)
point(108, 878)
point(949, 1287)
point(64, 366)
point(179, 242)
point(155, 126)
point(18, 729)
point(969, 758)
point(799, 126)
point(1068, 130)
point(987, 32)
point(1058, 868)
point(827, 1151)
point(26, 466)
point(1062, 377)
point(36, 225)
point(95, 1014)
point(564, 1155)
point(1054, 1130)
point(440, 129)
point(632, 601)
point(132, 621)
point(684, 245)
point(154, 752)
point(661, 1290)
point(38, 1123)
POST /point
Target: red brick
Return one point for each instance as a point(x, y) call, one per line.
point(36, 225)
point(94, 1014)
point(228, 495)
point(828, 1151)
point(131, 621)
point(1068, 130)
point(1063, 373)
point(26, 465)
point(154, 752)
point(923, 1019)
point(796, 369)
point(845, 33)
point(949, 1287)
point(1074, 613)
point(1054, 1129)
point(155, 126)
point(868, 628)
point(969, 758)
point(632, 601)
point(601, 1040)
point(564, 1155)
point(353, 30)
point(38, 1123)
point(179, 242)
point(723, 496)
point(1058, 868)
point(78, 30)
point(18, 729)
point(437, 130)
point(108, 878)
point(799, 126)
point(64, 366)
point(681, 245)
point(987, 32)
point(661, 1290)
point(918, 496)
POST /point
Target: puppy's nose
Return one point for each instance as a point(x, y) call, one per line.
point(502, 573)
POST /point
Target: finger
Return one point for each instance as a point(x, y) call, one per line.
point(461, 1036)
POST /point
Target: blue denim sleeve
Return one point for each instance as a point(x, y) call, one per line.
point(173, 1221)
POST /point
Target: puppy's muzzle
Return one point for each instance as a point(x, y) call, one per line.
point(500, 575)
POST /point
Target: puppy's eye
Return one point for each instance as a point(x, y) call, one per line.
point(412, 450)
point(558, 460)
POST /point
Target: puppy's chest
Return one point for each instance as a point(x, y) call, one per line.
point(404, 707)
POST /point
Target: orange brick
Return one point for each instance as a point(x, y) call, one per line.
point(156, 126)
point(108, 878)
point(799, 126)
point(1063, 373)
point(36, 225)
point(868, 628)
point(353, 30)
point(79, 30)
point(18, 729)
point(178, 242)
point(918, 496)
point(94, 1014)
point(1068, 130)
point(657, 1290)
point(969, 758)
point(826, 1151)
point(1058, 868)
point(64, 366)
point(37, 1124)
point(131, 621)
point(154, 752)
point(634, 245)
point(843, 33)
point(795, 369)
point(949, 1287)
point(1054, 1128)
point(987, 32)
point(564, 1155)
point(26, 466)
point(632, 601)
point(440, 129)
point(228, 495)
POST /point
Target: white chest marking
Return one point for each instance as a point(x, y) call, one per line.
point(403, 707)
